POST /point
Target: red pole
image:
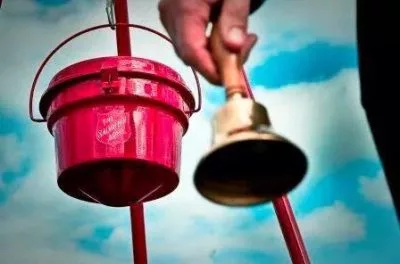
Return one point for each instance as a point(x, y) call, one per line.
point(290, 231)
point(287, 220)
point(122, 32)
point(137, 211)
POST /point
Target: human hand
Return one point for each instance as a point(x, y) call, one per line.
point(186, 22)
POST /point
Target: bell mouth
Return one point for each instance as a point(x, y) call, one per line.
point(250, 172)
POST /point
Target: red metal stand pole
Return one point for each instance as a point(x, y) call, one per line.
point(287, 220)
point(137, 211)
point(290, 231)
point(122, 32)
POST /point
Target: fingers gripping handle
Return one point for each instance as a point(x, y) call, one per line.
point(229, 64)
point(63, 43)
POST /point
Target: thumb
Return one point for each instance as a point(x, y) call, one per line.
point(247, 47)
point(233, 23)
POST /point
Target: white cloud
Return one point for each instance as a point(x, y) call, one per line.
point(292, 24)
point(18, 7)
point(33, 247)
point(333, 20)
point(11, 153)
point(334, 224)
point(331, 224)
point(41, 221)
point(376, 189)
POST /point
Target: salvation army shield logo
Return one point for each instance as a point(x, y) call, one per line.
point(113, 127)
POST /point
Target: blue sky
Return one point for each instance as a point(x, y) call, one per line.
point(304, 69)
point(291, 67)
point(52, 2)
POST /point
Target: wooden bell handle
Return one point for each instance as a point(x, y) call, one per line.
point(229, 64)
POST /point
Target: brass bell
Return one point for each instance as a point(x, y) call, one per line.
point(248, 164)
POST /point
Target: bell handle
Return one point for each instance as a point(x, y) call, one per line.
point(229, 64)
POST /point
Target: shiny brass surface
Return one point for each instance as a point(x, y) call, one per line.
point(238, 114)
point(248, 163)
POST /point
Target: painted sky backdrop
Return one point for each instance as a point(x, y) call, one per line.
point(304, 69)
